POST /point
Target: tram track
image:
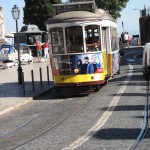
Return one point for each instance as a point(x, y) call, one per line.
point(145, 121)
point(85, 100)
point(82, 103)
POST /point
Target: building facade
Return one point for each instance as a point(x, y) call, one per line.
point(144, 23)
point(1, 23)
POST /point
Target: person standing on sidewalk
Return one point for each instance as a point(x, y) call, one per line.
point(39, 50)
point(46, 48)
point(126, 39)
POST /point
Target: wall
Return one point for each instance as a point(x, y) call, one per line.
point(1, 23)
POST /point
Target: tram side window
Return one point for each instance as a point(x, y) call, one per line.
point(74, 39)
point(57, 41)
point(104, 38)
point(114, 39)
point(92, 36)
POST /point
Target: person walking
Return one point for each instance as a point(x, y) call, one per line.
point(39, 50)
point(46, 48)
point(126, 39)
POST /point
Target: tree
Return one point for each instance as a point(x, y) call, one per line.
point(114, 7)
point(38, 11)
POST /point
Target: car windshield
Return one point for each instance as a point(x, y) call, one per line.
point(4, 50)
point(23, 48)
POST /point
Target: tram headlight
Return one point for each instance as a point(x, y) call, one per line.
point(76, 70)
point(92, 77)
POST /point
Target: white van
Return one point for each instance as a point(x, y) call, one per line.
point(146, 61)
point(9, 53)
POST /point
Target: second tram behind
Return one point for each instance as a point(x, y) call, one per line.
point(84, 48)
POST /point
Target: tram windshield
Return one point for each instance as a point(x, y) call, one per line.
point(78, 39)
point(57, 40)
point(74, 39)
point(92, 36)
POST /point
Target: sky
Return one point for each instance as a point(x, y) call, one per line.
point(7, 5)
point(129, 16)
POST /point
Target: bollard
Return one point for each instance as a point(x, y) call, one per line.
point(48, 75)
point(32, 76)
point(23, 84)
point(41, 77)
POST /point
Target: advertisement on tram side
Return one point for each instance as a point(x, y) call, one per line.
point(115, 62)
point(77, 64)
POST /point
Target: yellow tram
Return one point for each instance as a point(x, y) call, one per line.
point(84, 45)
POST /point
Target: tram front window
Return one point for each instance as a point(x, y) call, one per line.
point(74, 39)
point(57, 41)
point(92, 38)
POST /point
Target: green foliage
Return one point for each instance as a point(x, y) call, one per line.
point(114, 7)
point(38, 11)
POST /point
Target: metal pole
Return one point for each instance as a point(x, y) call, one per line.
point(48, 74)
point(123, 26)
point(23, 85)
point(41, 77)
point(32, 76)
point(19, 63)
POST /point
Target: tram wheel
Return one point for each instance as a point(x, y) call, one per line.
point(96, 88)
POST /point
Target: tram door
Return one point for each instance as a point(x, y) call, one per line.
point(105, 45)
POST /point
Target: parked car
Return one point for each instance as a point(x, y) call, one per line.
point(25, 53)
point(10, 53)
point(146, 61)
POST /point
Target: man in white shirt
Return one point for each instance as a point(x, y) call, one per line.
point(126, 37)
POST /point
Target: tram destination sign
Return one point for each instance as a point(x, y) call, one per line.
point(73, 6)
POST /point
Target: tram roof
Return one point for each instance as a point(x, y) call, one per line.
point(99, 14)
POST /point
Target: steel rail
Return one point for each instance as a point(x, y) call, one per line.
point(67, 117)
point(145, 121)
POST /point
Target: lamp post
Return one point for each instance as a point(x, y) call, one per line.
point(16, 13)
point(139, 11)
point(123, 26)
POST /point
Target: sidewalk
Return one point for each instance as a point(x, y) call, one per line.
point(12, 94)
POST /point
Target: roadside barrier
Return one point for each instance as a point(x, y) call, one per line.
point(32, 77)
point(23, 85)
point(33, 81)
point(41, 77)
point(48, 75)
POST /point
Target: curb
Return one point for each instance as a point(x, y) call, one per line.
point(23, 103)
point(15, 106)
point(44, 92)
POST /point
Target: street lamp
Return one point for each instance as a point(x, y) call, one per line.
point(139, 11)
point(16, 13)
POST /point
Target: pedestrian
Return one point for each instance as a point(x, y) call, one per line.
point(129, 40)
point(39, 50)
point(126, 39)
point(122, 37)
point(46, 48)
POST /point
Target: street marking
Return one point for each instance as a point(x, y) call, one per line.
point(130, 60)
point(16, 106)
point(103, 119)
